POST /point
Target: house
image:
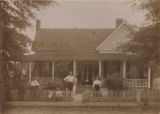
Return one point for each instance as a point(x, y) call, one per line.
point(86, 52)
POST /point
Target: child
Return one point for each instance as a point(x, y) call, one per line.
point(50, 95)
point(59, 95)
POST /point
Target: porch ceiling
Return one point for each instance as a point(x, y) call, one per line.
point(78, 56)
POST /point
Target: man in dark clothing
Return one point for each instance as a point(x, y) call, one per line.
point(21, 87)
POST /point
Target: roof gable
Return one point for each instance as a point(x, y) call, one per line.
point(119, 36)
point(69, 39)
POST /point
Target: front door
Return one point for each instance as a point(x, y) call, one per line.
point(87, 73)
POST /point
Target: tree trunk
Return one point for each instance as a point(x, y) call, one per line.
point(1, 74)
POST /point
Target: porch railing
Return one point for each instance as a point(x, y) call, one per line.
point(136, 82)
point(128, 82)
point(136, 95)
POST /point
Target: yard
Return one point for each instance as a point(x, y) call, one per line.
point(81, 110)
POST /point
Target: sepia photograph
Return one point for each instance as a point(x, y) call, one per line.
point(79, 56)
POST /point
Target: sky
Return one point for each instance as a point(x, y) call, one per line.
point(87, 14)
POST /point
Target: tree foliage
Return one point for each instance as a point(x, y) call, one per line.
point(152, 8)
point(18, 13)
point(17, 16)
point(14, 44)
point(145, 43)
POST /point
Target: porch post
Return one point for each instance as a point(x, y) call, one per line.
point(22, 68)
point(53, 70)
point(30, 71)
point(74, 68)
point(124, 69)
point(149, 77)
point(124, 76)
point(100, 68)
point(22, 71)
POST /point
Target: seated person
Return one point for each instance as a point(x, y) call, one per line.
point(97, 86)
point(59, 95)
point(50, 94)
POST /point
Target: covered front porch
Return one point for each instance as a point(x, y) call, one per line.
point(87, 70)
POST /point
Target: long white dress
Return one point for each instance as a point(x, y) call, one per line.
point(74, 85)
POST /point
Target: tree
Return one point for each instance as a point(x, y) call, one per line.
point(145, 43)
point(15, 16)
point(14, 44)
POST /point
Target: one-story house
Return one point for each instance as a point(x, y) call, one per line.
point(87, 52)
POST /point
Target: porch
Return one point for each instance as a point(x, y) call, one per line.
point(87, 70)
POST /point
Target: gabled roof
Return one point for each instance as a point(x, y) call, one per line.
point(70, 39)
point(118, 37)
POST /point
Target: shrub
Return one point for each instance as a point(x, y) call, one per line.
point(56, 83)
point(114, 83)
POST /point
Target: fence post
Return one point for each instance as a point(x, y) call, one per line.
point(149, 77)
point(138, 96)
point(30, 71)
point(124, 93)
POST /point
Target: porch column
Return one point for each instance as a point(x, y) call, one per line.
point(22, 68)
point(53, 70)
point(124, 69)
point(124, 76)
point(30, 71)
point(100, 68)
point(74, 68)
point(149, 77)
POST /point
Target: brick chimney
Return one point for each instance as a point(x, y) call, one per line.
point(38, 25)
point(118, 21)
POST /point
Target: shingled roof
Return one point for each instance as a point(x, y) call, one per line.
point(70, 39)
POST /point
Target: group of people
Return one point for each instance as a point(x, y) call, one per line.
point(21, 83)
point(71, 81)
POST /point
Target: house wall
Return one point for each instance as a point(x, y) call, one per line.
point(120, 36)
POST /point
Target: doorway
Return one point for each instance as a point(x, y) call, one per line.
point(86, 72)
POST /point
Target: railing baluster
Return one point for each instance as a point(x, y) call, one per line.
point(136, 82)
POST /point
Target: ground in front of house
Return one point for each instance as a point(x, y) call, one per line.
point(81, 110)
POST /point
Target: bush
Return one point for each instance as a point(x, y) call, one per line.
point(54, 84)
point(114, 83)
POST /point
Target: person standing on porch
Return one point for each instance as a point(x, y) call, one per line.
point(71, 80)
point(21, 87)
point(74, 85)
point(97, 87)
point(34, 88)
